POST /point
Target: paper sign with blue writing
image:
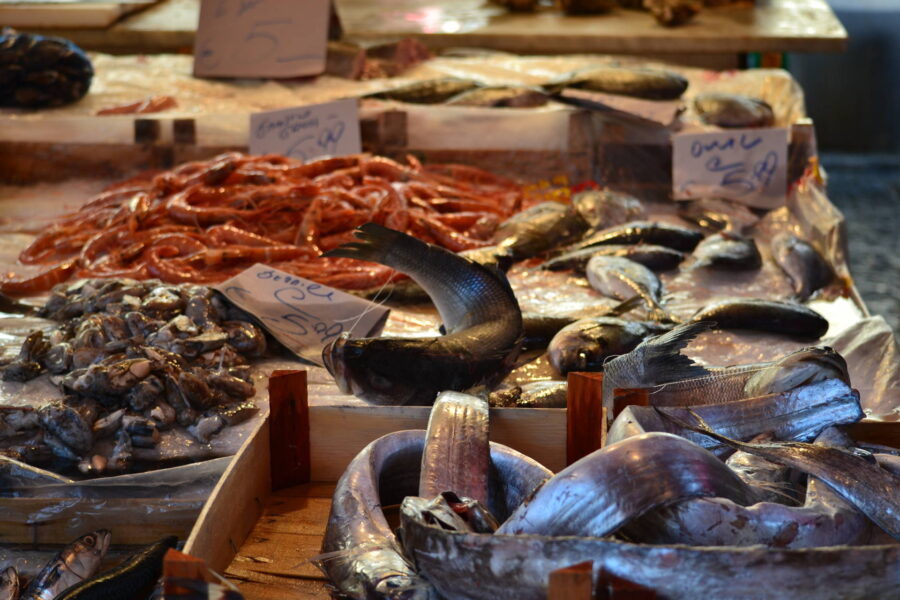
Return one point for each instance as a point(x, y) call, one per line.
point(303, 315)
point(261, 38)
point(307, 132)
point(745, 165)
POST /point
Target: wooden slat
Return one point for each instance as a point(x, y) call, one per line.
point(884, 433)
point(571, 583)
point(625, 397)
point(289, 428)
point(585, 416)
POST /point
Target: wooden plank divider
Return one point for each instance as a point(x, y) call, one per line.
point(289, 450)
point(612, 587)
point(884, 433)
point(625, 397)
point(571, 583)
point(585, 415)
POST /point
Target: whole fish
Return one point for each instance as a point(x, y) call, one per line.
point(133, 579)
point(717, 214)
point(853, 475)
point(362, 557)
point(500, 96)
point(621, 278)
point(606, 208)
point(534, 394)
point(786, 318)
point(733, 110)
point(804, 266)
point(472, 566)
point(799, 414)
point(606, 489)
point(540, 329)
point(650, 84)
point(432, 91)
point(803, 367)
point(727, 251)
point(75, 563)
point(538, 229)
point(586, 344)
point(479, 312)
point(645, 232)
point(456, 457)
point(656, 258)
point(9, 584)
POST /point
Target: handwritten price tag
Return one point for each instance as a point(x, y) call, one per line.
point(261, 38)
point(747, 165)
point(306, 132)
point(303, 315)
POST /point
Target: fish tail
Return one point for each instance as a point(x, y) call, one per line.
point(661, 354)
point(375, 242)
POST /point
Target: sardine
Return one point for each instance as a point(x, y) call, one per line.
point(645, 232)
point(75, 563)
point(607, 208)
point(479, 312)
point(538, 229)
point(621, 278)
point(586, 344)
point(432, 91)
point(9, 584)
point(535, 394)
point(650, 84)
point(133, 579)
point(500, 96)
point(457, 451)
point(804, 266)
point(803, 367)
point(727, 251)
point(853, 475)
point(786, 318)
point(800, 415)
point(361, 555)
point(656, 258)
point(733, 110)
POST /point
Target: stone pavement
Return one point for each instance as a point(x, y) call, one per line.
point(866, 188)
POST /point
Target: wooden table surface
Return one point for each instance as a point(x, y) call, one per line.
point(273, 563)
point(769, 26)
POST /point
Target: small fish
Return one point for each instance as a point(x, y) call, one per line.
point(650, 84)
point(607, 208)
point(606, 489)
point(500, 96)
point(621, 278)
point(853, 475)
point(803, 367)
point(655, 258)
point(9, 584)
point(540, 329)
point(432, 91)
point(716, 214)
point(804, 266)
point(586, 344)
point(75, 563)
point(764, 315)
point(478, 309)
point(727, 251)
point(733, 110)
point(645, 232)
point(538, 229)
point(133, 579)
point(534, 394)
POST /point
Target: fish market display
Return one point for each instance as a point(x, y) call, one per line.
point(41, 71)
point(764, 315)
point(649, 84)
point(75, 563)
point(585, 345)
point(622, 279)
point(134, 359)
point(645, 232)
point(205, 221)
point(655, 258)
point(728, 251)
point(479, 312)
point(805, 267)
point(733, 110)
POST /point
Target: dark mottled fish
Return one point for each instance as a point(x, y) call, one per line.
point(501, 96)
point(650, 84)
point(606, 489)
point(432, 91)
point(645, 232)
point(854, 475)
point(733, 110)
point(804, 266)
point(656, 258)
point(727, 251)
point(764, 315)
point(478, 309)
point(537, 229)
point(133, 579)
point(75, 563)
point(586, 344)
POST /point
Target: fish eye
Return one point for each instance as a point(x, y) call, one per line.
point(90, 540)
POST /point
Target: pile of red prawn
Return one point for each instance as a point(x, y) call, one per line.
point(205, 221)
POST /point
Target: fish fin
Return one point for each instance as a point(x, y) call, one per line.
point(375, 242)
point(661, 354)
point(700, 427)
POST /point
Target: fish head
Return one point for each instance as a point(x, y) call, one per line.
point(359, 368)
point(402, 587)
point(87, 552)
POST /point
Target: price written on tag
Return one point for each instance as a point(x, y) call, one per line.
point(306, 132)
point(303, 315)
point(746, 165)
point(261, 38)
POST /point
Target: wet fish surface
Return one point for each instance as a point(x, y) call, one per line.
point(607, 208)
point(586, 344)
point(621, 278)
point(802, 263)
point(803, 367)
point(717, 214)
point(733, 110)
point(75, 563)
point(727, 251)
point(538, 229)
point(645, 232)
point(649, 84)
point(786, 318)
point(479, 312)
point(656, 258)
point(432, 91)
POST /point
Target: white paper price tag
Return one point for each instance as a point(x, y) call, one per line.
point(303, 315)
point(261, 38)
point(306, 132)
point(746, 165)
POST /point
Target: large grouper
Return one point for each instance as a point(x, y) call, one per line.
point(480, 314)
